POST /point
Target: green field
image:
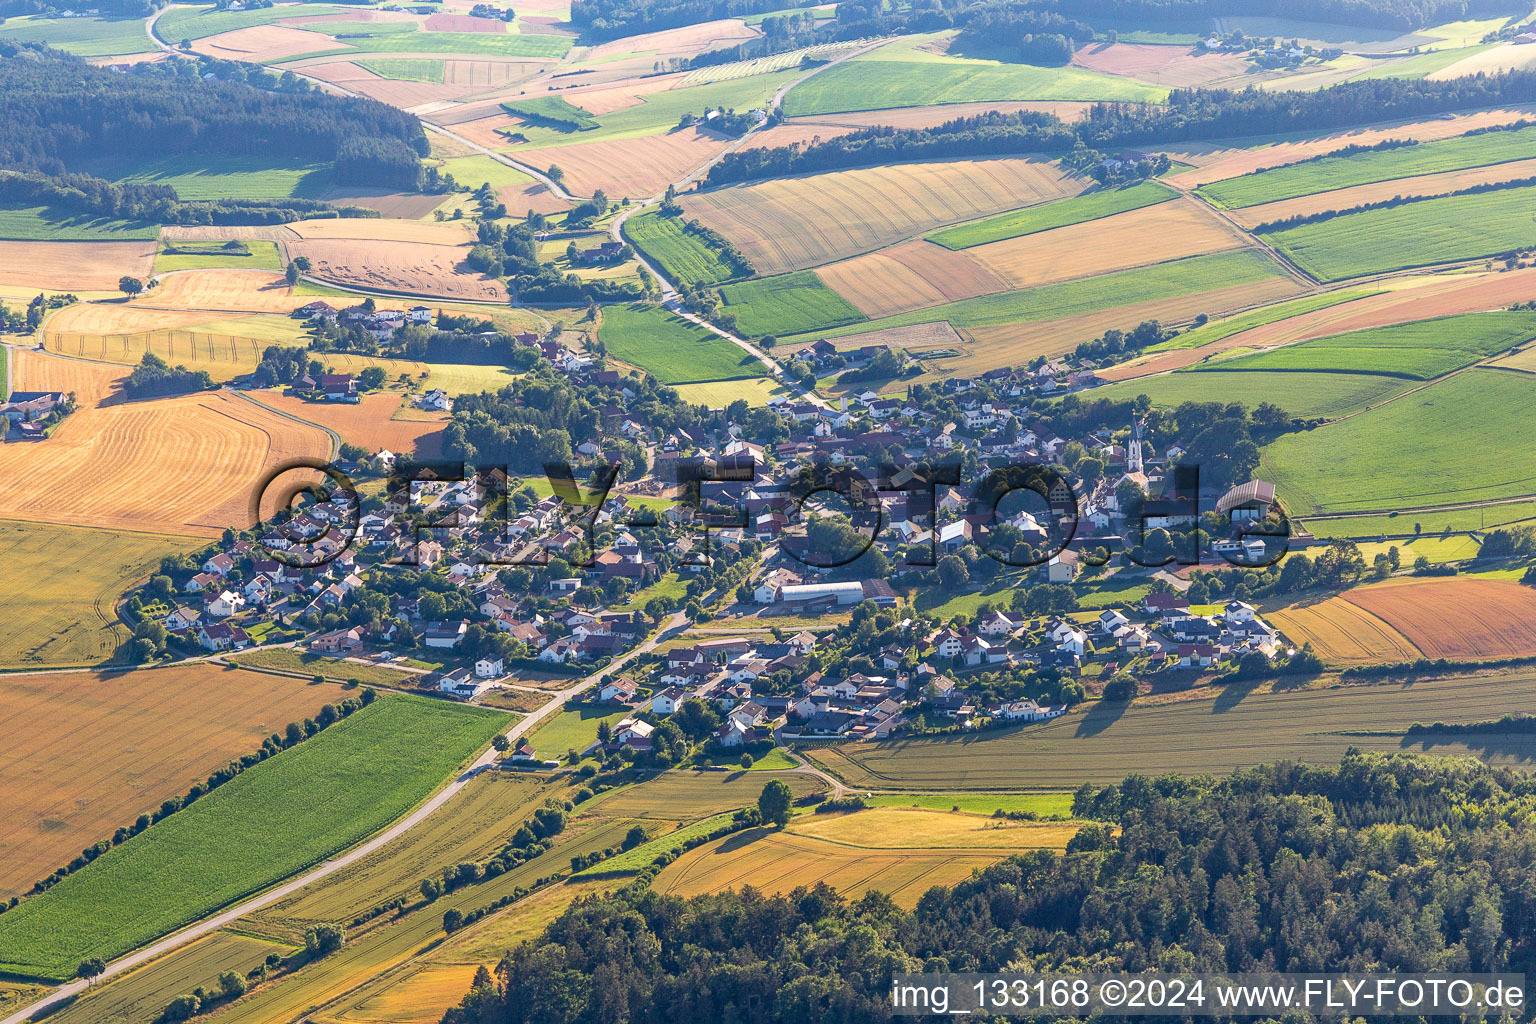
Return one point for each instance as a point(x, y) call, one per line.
point(180, 23)
point(1060, 213)
point(279, 817)
point(1422, 64)
point(634, 861)
point(554, 108)
point(1483, 517)
point(1307, 395)
point(1103, 743)
point(901, 75)
point(1071, 298)
point(1333, 172)
point(220, 177)
point(49, 224)
point(573, 729)
point(1462, 439)
point(490, 44)
point(212, 256)
point(684, 256)
point(83, 37)
point(1413, 235)
point(478, 170)
point(1215, 330)
point(405, 69)
point(673, 350)
point(793, 303)
point(1422, 350)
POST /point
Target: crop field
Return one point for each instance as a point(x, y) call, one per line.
point(201, 22)
point(1168, 66)
point(235, 291)
point(684, 256)
point(795, 223)
point(90, 383)
point(900, 76)
point(1152, 234)
point(405, 69)
point(420, 994)
point(909, 276)
point(367, 423)
point(1329, 173)
point(1415, 235)
point(687, 794)
point(412, 268)
point(73, 266)
point(1418, 351)
point(41, 223)
point(262, 255)
point(754, 391)
point(901, 828)
point(83, 37)
point(635, 167)
point(262, 44)
point(224, 346)
point(66, 615)
point(1449, 617)
point(447, 44)
point(1307, 395)
point(1343, 633)
point(61, 790)
point(189, 466)
point(788, 304)
point(1103, 743)
point(766, 65)
point(1058, 213)
point(1457, 440)
point(223, 178)
point(673, 350)
point(1224, 327)
point(372, 766)
point(1043, 804)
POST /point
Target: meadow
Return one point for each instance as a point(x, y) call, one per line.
point(788, 304)
point(258, 255)
point(1060, 213)
point(1422, 350)
point(1334, 172)
point(261, 827)
point(1046, 805)
point(42, 223)
point(447, 43)
point(67, 612)
point(689, 794)
point(61, 790)
point(566, 114)
point(83, 37)
point(673, 350)
point(190, 22)
point(719, 394)
point(1104, 742)
point(572, 729)
point(220, 177)
point(303, 663)
point(404, 69)
point(1457, 520)
point(1413, 235)
point(684, 256)
point(1224, 327)
point(1459, 440)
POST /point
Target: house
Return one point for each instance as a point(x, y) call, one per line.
point(222, 636)
point(341, 641)
point(1029, 711)
point(1196, 655)
point(523, 752)
point(339, 387)
point(634, 734)
point(459, 683)
point(444, 634)
point(667, 701)
point(489, 668)
point(1163, 604)
point(619, 691)
point(226, 604)
point(1239, 611)
point(182, 618)
point(419, 314)
point(1249, 501)
point(436, 399)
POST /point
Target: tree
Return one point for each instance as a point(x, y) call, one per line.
point(232, 984)
point(323, 939)
point(501, 743)
point(431, 889)
point(953, 573)
point(634, 837)
point(130, 286)
point(292, 273)
point(555, 174)
point(453, 920)
point(746, 760)
point(372, 378)
point(774, 802)
point(92, 969)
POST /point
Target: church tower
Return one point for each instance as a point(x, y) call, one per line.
point(1133, 451)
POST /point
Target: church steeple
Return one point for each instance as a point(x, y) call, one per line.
point(1133, 451)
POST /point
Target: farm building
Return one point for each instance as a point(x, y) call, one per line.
point(851, 592)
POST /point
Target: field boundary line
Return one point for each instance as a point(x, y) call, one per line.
point(336, 441)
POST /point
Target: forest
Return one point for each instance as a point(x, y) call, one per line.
point(57, 110)
point(1379, 863)
point(81, 194)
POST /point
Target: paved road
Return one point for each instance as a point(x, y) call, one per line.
point(675, 624)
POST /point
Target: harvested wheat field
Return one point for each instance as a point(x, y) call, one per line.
point(1358, 195)
point(225, 291)
point(482, 130)
point(91, 383)
point(796, 134)
point(795, 223)
point(608, 98)
point(633, 167)
point(117, 318)
point(675, 42)
point(261, 44)
point(1451, 617)
point(938, 336)
point(1343, 633)
point(463, 23)
point(1152, 234)
point(86, 752)
point(909, 276)
point(223, 232)
point(189, 466)
point(407, 95)
point(1173, 67)
point(73, 266)
point(931, 117)
point(386, 230)
point(483, 74)
point(366, 423)
point(397, 205)
point(1493, 61)
point(1245, 161)
point(414, 268)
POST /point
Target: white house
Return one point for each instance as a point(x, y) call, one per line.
point(226, 604)
point(489, 668)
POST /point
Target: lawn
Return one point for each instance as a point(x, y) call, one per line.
point(1215, 330)
point(683, 255)
point(673, 350)
point(1071, 298)
point(257, 255)
point(50, 224)
point(632, 862)
point(221, 177)
point(1333, 172)
point(792, 303)
point(720, 394)
point(1060, 213)
point(1307, 395)
point(1422, 350)
point(83, 37)
point(263, 826)
point(671, 585)
point(1413, 235)
point(478, 170)
point(287, 659)
point(1462, 439)
point(573, 729)
point(405, 69)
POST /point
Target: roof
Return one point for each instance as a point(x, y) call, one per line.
point(1242, 494)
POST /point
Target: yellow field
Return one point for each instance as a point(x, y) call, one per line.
point(794, 223)
point(235, 291)
point(73, 266)
point(909, 276)
point(413, 268)
point(419, 994)
point(226, 347)
point(1342, 632)
point(90, 383)
point(66, 614)
point(368, 423)
point(721, 393)
point(386, 230)
point(1152, 234)
point(87, 752)
point(917, 828)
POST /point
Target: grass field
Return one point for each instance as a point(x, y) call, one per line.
point(686, 794)
point(794, 303)
point(221, 177)
point(83, 37)
point(1328, 173)
point(1415, 235)
point(661, 840)
point(1458, 520)
point(455, 44)
point(673, 350)
point(573, 729)
point(1060, 213)
point(262, 255)
point(372, 768)
point(719, 394)
point(1103, 743)
point(61, 790)
point(404, 69)
point(555, 108)
point(1457, 440)
point(200, 22)
point(67, 614)
point(1224, 327)
point(41, 223)
point(288, 659)
point(683, 255)
point(1422, 350)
